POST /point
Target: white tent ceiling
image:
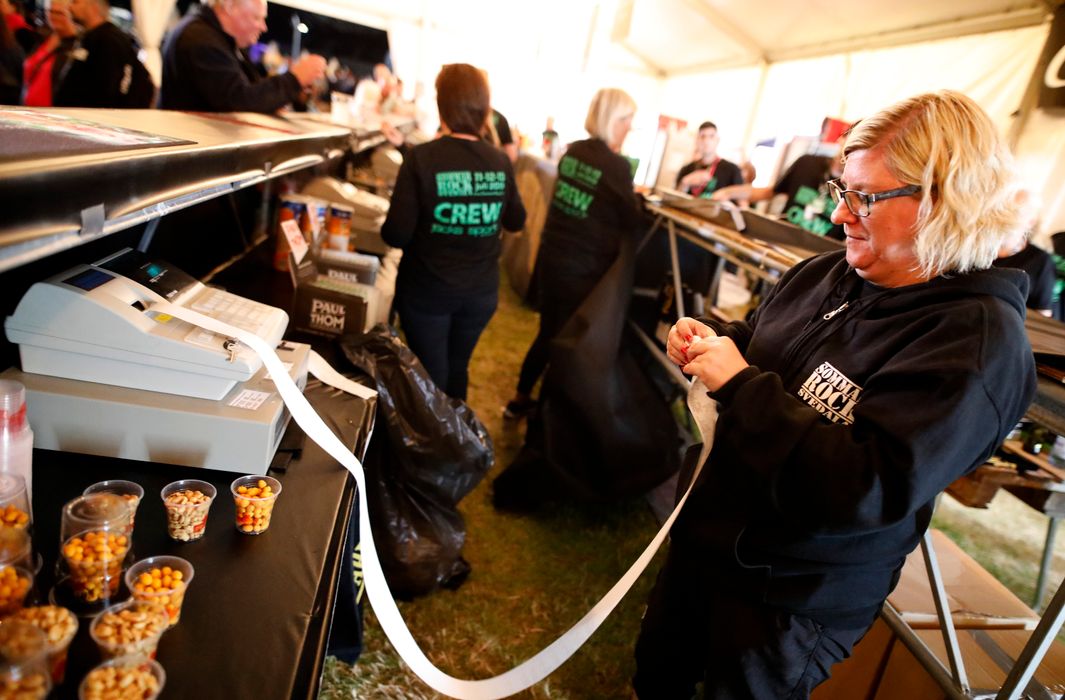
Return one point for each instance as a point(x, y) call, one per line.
point(698, 35)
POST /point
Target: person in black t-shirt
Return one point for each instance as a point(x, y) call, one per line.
point(498, 131)
point(592, 208)
point(708, 171)
point(103, 69)
point(809, 203)
point(452, 197)
point(1016, 252)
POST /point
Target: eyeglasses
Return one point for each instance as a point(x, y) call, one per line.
point(860, 203)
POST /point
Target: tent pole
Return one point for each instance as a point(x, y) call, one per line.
point(1024, 110)
point(749, 131)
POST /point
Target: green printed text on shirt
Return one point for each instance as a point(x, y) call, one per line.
point(581, 172)
point(463, 183)
point(473, 219)
point(572, 200)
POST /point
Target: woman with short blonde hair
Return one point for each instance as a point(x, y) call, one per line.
point(945, 144)
point(608, 107)
point(593, 209)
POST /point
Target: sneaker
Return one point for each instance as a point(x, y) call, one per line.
point(518, 409)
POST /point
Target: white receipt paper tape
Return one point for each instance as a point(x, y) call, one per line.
point(324, 373)
point(528, 672)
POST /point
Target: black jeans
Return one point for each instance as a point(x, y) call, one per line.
point(696, 630)
point(443, 332)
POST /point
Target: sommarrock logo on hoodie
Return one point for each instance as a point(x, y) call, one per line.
point(831, 394)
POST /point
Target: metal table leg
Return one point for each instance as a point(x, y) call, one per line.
point(675, 262)
point(1044, 565)
point(946, 620)
point(1036, 648)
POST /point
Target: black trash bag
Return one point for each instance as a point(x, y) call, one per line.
point(427, 452)
point(602, 431)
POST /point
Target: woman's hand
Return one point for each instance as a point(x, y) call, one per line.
point(681, 336)
point(702, 353)
point(715, 360)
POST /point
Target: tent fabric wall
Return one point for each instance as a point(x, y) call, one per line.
point(1041, 157)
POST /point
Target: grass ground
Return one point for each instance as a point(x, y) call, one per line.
point(534, 576)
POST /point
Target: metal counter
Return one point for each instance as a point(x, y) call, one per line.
point(98, 171)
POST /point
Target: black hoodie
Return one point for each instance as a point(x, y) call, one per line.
point(860, 406)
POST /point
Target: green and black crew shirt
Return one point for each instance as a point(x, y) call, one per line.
point(452, 197)
point(592, 208)
point(809, 204)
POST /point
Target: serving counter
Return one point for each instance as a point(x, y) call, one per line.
point(257, 614)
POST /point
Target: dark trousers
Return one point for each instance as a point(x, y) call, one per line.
point(559, 299)
point(442, 332)
point(696, 630)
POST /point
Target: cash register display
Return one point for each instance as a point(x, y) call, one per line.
point(88, 280)
point(158, 276)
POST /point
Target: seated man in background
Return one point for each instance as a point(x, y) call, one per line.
point(708, 172)
point(205, 68)
point(103, 69)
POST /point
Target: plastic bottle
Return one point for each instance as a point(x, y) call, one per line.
point(16, 438)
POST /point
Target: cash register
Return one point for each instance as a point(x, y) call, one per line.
point(106, 374)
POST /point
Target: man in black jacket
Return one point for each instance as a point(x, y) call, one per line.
point(865, 384)
point(102, 69)
point(206, 70)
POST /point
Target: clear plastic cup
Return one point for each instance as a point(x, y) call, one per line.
point(162, 581)
point(129, 629)
point(59, 626)
point(254, 497)
point(14, 502)
point(16, 548)
point(23, 670)
point(187, 504)
point(131, 491)
point(146, 678)
point(15, 584)
point(95, 511)
point(94, 562)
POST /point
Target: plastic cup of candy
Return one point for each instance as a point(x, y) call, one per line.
point(94, 561)
point(254, 498)
point(163, 581)
point(16, 547)
point(59, 626)
point(23, 670)
point(15, 585)
point(14, 502)
point(130, 491)
point(187, 504)
point(95, 511)
point(124, 677)
point(132, 629)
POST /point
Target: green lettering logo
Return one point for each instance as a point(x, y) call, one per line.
point(458, 183)
point(805, 195)
point(572, 200)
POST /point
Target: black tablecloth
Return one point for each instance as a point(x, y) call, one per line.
point(256, 616)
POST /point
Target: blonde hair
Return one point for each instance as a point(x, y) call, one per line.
point(945, 143)
point(608, 107)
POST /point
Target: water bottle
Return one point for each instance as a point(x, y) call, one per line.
point(16, 438)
